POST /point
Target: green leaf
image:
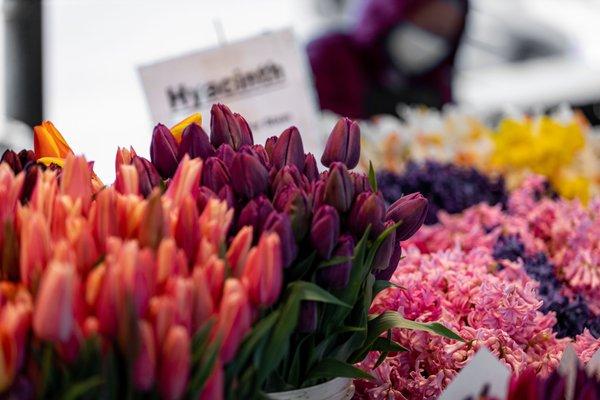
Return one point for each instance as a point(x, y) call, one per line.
point(300, 269)
point(81, 388)
point(372, 177)
point(259, 331)
point(311, 292)
point(334, 261)
point(200, 339)
point(381, 285)
point(204, 368)
point(392, 319)
point(330, 368)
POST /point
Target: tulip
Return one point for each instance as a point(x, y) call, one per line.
point(234, 318)
point(238, 250)
point(12, 159)
point(181, 290)
point(270, 145)
point(361, 183)
point(148, 176)
point(307, 320)
point(53, 316)
point(103, 217)
point(245, 137)
point(126, 181)
point(280, 224)
point(325, 230)
point(411, 211)
point(295, 203)
point(162, 315)
point(263, 272)
point(170, 261)
point(163, 151)
point(215, 221)
point(31, 177)
point(76, 180)
point(262, 155)
point(49, 143)
point(251, 177)
point(204, 195)
point(152, 224)
point(8, 359)
point(225, 153)
point(311, 171)
point(27, 157)
point(215, 174)
point(203, 305)
point(338, 190)
point(227, 195)
point(288, 175)
point(145, 362)
point(224, 127)
point(213, 389)
point(178, 129)
point(124, 156)
point(35, 247)
point(385, 250)
point(175, 362)
point(386, 273)
point(186, 181)
point(255, 214)
point(343, 144)
point(187, 228)
point(288, 150)
point(368, 210)
point(195, 143)
point(214, 275)
point(337, 276)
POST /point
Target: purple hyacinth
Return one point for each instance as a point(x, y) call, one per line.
point(448, 187)
point(509, 247)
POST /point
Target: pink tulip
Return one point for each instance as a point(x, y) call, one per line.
point(213, 389)
point(186, 181)
point(215, 221)
point(8, 359)
point(187, 228)
point(234, 318)
point(238, 250)
point(127, 180)
point(53, 316)
point(83, 244)
point(181, 291)
point(170, 261)
point(263, 271)
point(214, 270)
point(76, 180)
point(174, 364)
point(203, 304)
point(44, 193)
point(162, 315)
point(124, 156)
point(103, 217)
point(35, 246)
point(145, 363)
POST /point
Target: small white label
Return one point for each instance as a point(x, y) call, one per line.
point(264, 78)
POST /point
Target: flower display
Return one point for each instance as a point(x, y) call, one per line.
point(521, 281)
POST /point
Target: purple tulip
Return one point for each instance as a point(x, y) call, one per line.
point(288, 150)
point(308, 317)
point(195, 143)
point(148, 176)
point(12, 159)
point(226, 153)
point(343, 144)
point(337, 276)
point(215, 174)
point(311, 171)
point(255, 214)
point(226, 194)
point(204, 194)
point(325, 230)
point(385, 251)
point(294, 202)
point(339, 189)
point(31, 176)
point(26, 157)
point(280, 224)
point(223, 126)
point(250, 177)
point(163, 151)
point(288, 175)
point(386, 273)
point(361, 183)
point(245, 137)
point(411, 211)
point(270, 145)
point(262, 155)
point(368, 210)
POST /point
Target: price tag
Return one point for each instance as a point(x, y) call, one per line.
point(264, 78)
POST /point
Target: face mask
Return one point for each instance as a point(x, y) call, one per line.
point(414, 50)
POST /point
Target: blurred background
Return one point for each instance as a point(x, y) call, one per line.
point(76, 62)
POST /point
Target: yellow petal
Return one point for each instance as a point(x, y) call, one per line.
point(177, 130)
point(52, 160)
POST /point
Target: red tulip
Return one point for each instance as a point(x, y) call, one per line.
point(263, 272)
point(145, 363)
point(174, 366)
point(234, 318)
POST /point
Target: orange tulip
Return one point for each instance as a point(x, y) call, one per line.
point(263, 272)
point(234, 318)
point(49, 144)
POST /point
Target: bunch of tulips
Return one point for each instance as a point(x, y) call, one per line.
point(218, 268)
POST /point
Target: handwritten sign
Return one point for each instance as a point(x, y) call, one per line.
point(264, 78)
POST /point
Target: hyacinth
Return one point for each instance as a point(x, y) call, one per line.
point(521, 281)
point(448, 187)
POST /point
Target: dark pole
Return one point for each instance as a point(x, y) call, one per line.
point(23, 60)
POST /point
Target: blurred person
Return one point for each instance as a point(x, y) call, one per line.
point(398, 51)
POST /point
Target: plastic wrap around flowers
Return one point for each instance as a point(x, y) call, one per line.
point(220, 268)
point(561, 147)
point(523, 282)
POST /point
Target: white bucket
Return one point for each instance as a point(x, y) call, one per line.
point(336, 389)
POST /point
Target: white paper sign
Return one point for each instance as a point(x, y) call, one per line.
point(593, 366)
point(264, 78)
point(483, 372)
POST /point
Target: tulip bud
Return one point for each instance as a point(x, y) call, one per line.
point(26, 157)
point(288, 175)
point(245, 137)
point(225, 153)
point(177, 129)
point(288, 150)
point(145, 363)
point(187, 228)
point(255, 214)
point(124, 156)
point(152, 224)
point(295, 204)
point(31, 176)
point(223, 126)
point(8, 360)
point(195, 143)
point(147, 175)
point(213, 389)
point(263, 272)
point(215, 174)
point(343, 144)
point(338, 190)
point(48, 142)
point(386, 274)
point(325, 230)
point(361, 183)
point(270, 145)
point(411, 211)
point(53, 316)
point(337, 276)
point(280, 224)
point(174, 366)
point(226, 194)
point(163, 151)
point(385, 251)
point(238, 250)
point(307, 320)
point(204, 194)
point(251, 177)
point(311, 171)
point(262, 155)
point(36, 247)
point(12, 159)
point(126, 181)
point(368, 210)
point(234, 318)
